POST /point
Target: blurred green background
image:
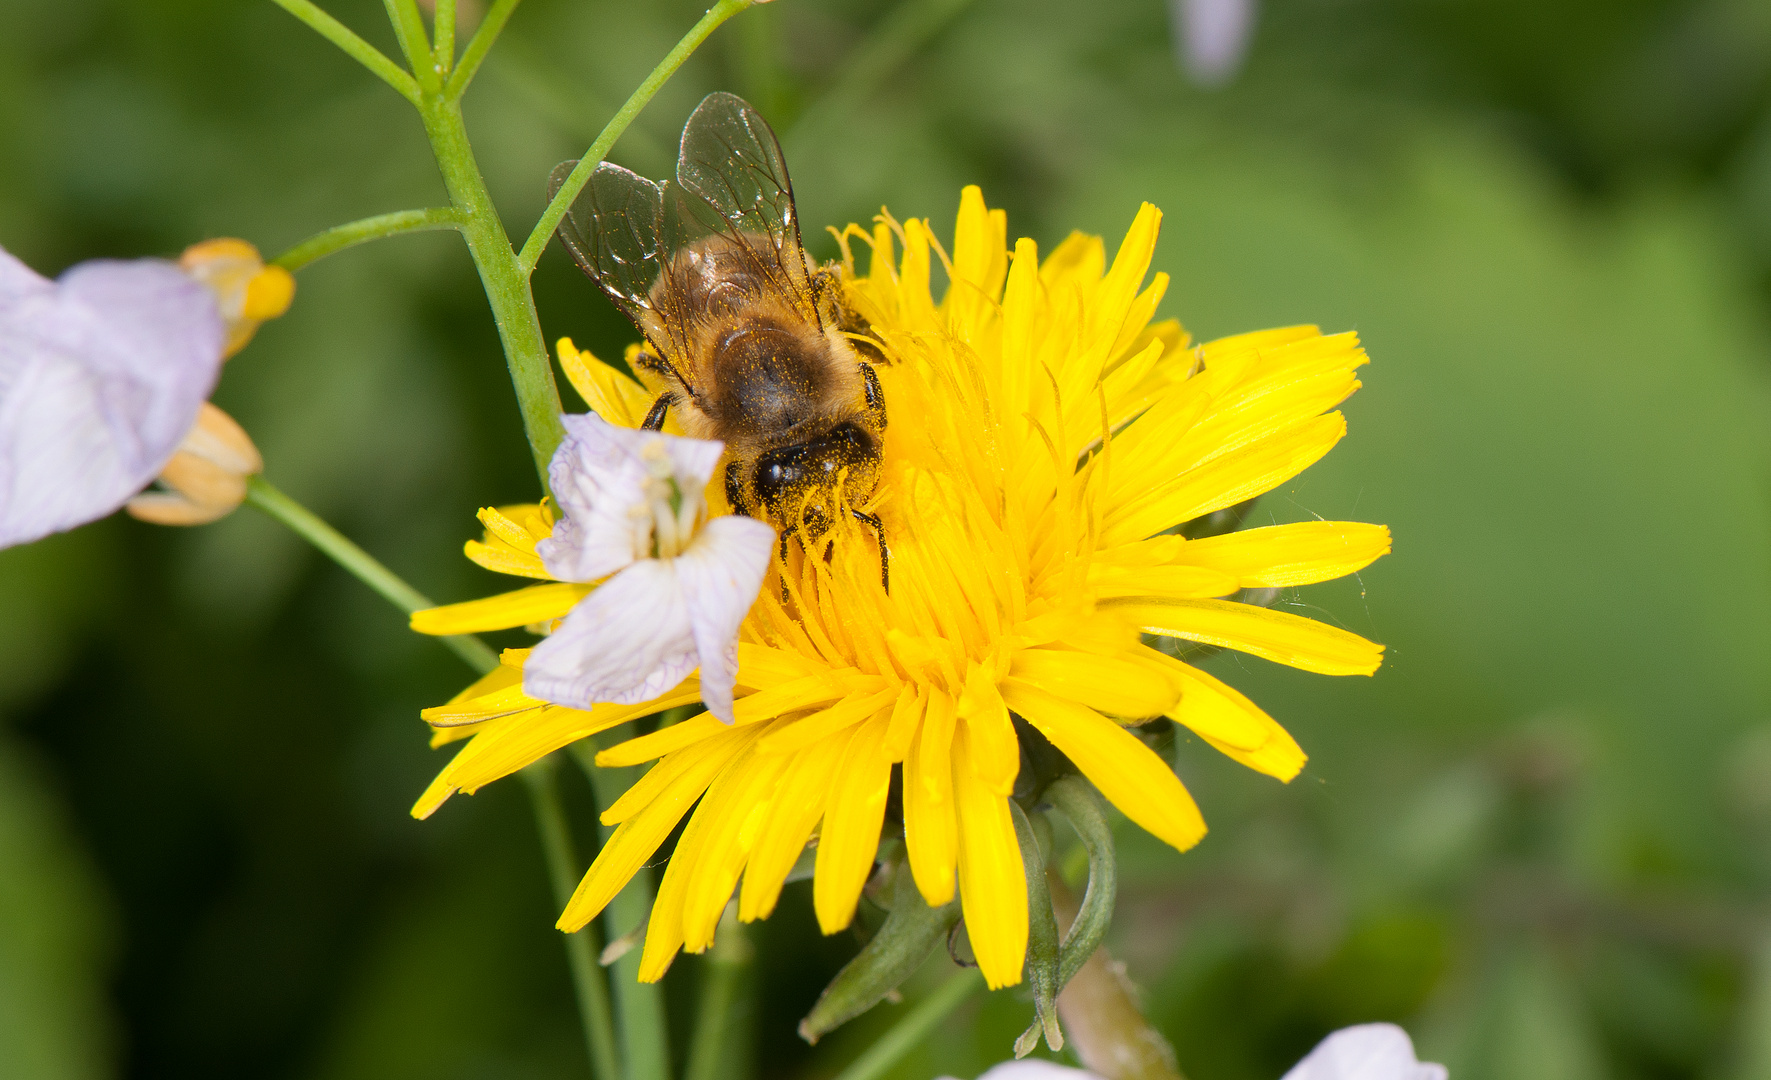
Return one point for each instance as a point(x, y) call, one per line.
point(1540, 837)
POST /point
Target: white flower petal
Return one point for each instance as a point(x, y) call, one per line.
point(628, 641)
point(692, 460)
point(596, 481)
point(1365, 1052)
point(721, 573)
point(1035, 1069)
point(101, 376)
point(659, 617)
point(599, 477)
point(18, 280)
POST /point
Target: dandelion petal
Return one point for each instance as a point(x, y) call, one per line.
point(101, 376)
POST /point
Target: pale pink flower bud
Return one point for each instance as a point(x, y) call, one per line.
point(206, 479)
point(246, 290)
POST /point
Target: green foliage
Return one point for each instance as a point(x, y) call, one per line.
point(1537, 837)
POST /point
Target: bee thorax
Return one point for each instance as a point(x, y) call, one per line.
point(770, 380)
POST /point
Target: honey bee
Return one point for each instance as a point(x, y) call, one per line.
point(749, 334)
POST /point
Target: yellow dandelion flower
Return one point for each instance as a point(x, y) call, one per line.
point(1046, 440)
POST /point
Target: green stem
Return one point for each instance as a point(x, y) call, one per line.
point(358, 49)
point(409, 29)
point(477, 48)
point(718, 1050)
point(339, 237)
point(580, 175)
point(361, 565)
point(556, 838)
point(507, 286)
point(906, 1033)
point(444, 50)
point(582, 947)
point(639, 1005)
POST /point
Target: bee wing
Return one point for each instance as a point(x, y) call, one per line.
point(613, 230)
point(731, 162)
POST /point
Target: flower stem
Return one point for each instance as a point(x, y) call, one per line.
point(556, 209)
point(358, 49)
point(716, 1042)
point(351, 234)
point(921, 1019)
point(581, 947)
point(506, 284)
point(361, 565)
point(556, 837)
point(477, 48)
point(409, 29)
point(1099, 1007)
point(639, 1005)
point(444, 49)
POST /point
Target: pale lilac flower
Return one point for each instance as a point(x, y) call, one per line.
point(1033, 1069)
point(1366, 1052)
point(634, 508)
point(102, 373)
point(1211, 37)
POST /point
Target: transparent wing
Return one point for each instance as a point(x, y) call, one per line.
point(731, 161)
point(613, 230)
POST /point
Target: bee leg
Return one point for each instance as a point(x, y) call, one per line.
point(875, 396)
point(785, 533)
point(735, 488)
point(654, 420)
point(885, 553)
point(826, 286)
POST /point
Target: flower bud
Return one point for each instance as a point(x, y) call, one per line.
point(206, 479)
point(246, 290)
point(911, 932)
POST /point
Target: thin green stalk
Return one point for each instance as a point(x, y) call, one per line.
point(582, 947)
point(409, 30)
point(444, 49)
point(477, 48)
point(915, 1026)
point(361, 565)
point(550, 218)
point(640, 1006)
point(718, 1039)
point(507, 286)
point(339, 237)
point(556, 837)
point(358, 49)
